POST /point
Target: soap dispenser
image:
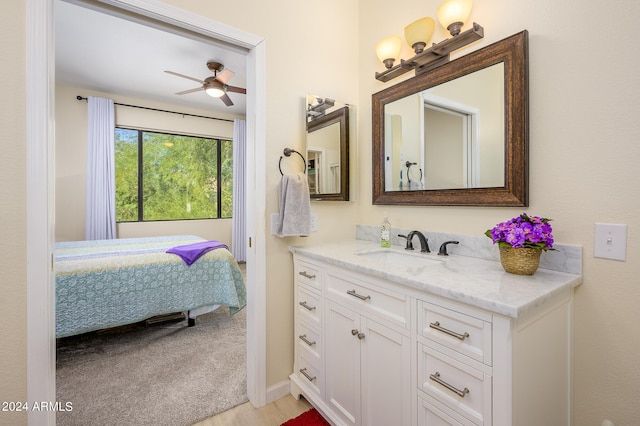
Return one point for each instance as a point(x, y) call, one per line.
point(385, 233)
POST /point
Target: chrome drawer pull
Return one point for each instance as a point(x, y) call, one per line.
point(359, 296)
point(304, 305)
point(305, 374)
point(303, 337)
point(304, 274)
point(436, 378)
point(436, 325)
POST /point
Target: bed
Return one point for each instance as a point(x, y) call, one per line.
point(108, 283)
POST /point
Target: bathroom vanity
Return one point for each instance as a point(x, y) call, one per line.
point(388, 337)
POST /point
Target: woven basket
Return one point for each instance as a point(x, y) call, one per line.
point(520, 261)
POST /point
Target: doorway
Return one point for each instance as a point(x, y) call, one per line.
point(40, 206)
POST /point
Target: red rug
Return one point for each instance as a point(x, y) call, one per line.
point(308, 418)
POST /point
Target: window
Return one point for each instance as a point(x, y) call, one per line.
point(161, 176)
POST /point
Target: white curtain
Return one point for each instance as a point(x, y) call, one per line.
point(101, 184)
point(238, 233)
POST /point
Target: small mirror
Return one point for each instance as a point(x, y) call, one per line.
point(457, 134)
point(327, 123)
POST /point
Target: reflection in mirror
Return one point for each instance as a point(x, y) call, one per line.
point(448, 136)
point(327, 148)
point(458, 134)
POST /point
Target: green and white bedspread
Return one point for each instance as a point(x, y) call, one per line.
point(107, 283)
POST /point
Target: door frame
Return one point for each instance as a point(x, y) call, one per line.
point(40, 183)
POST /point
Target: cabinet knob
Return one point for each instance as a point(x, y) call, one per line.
point(355, 332)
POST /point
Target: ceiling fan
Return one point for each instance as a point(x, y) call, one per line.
point(215, 86)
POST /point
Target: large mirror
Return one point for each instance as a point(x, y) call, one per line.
point(457, 134)
point(327, 148)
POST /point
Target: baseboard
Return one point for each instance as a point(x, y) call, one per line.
point(279, 390)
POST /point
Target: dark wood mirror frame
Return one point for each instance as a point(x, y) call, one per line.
point(340, 116)
point(513, 52)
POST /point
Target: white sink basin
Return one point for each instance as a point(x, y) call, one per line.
point(400, 259)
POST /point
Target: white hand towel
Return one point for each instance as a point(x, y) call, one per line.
point(295, 206)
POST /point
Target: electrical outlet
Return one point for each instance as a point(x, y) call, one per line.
point(314, 222)
point(610, 241)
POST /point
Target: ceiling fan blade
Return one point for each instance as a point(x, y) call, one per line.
point(185, 76)
point(236, 89)
point(184, 92)
point(225, 75)
point(226, 99)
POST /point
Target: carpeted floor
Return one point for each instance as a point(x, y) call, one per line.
point(163, 374)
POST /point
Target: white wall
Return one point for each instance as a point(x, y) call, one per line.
point(583, 86)
point(71, 131)
point(13, 256)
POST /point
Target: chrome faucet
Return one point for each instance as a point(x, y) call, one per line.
point(424, 246)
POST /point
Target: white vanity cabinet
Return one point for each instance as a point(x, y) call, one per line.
point(378, 352)
point(367, 352)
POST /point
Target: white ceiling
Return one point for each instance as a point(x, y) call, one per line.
point(110, 54)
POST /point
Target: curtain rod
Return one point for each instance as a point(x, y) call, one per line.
point(80, 98)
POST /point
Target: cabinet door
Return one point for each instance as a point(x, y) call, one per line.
point(342, 375)
point(385, 375)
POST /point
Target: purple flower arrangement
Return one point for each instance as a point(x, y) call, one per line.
point(523, 231)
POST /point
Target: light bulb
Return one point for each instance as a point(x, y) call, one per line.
point(418, 33)
point(388, 50)
point(452, 14)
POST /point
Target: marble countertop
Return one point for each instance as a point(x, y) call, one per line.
point(476, 282)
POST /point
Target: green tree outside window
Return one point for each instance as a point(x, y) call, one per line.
point(183, 177)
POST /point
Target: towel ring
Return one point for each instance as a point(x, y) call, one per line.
point(287, 153)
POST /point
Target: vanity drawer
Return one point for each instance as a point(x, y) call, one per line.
point(433, 413)
point(382, 301)
point(309, 274)
point(309, 305)
point(469, 335)
point(457, 385)
point(308, 339)
point(309, 371)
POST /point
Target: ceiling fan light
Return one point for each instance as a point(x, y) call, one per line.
point(214, 89)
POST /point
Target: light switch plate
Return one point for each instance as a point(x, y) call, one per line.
point(314, 222)
point(610, 241)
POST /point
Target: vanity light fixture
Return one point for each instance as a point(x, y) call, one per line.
point(418, 33)
point(452, 14)
point(317, 107)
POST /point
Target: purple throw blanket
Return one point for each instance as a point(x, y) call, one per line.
point(192, 252)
